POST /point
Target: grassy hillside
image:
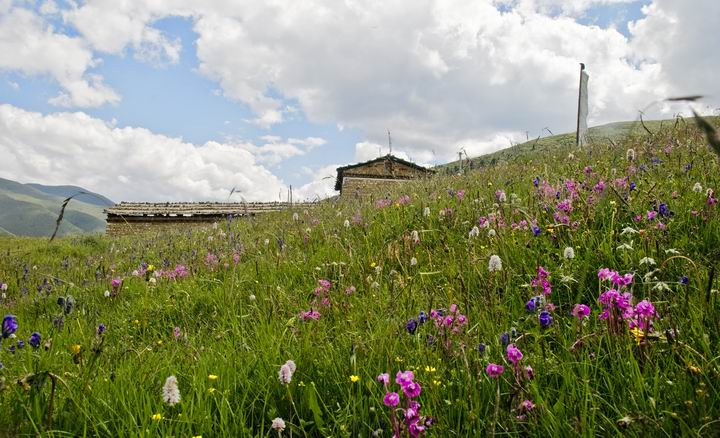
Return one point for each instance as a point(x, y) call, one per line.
point(609, 134)
point(571, 293)
point(32, 209)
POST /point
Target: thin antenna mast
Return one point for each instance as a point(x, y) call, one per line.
point(389, 142)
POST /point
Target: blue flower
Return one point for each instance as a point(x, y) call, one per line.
point(536, 230)
point(35, 339)
point(411, 326)
point(632, 186)
point(536, 181)
point(422, 317)
point(481, 348)
point(9, 325)
point(545, 319)
point(684, 280)
point(505, 338)
point(531, 305)
point(664, 210)
point(101, 329)
point(20, 343)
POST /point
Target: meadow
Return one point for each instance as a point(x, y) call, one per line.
point(568, 292)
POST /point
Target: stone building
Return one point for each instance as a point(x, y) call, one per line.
point(138, 217)
point(358, 180)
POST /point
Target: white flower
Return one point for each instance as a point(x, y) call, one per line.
point(106, 293)
point(495, 264)
point(215, 225)
point(567, 279)
point(267, 242)
point(286, 372)
point(296, 217)
point(252, 297)
point(171, 392)
point(625, 247)
point(628, 230)
point(697, 188)
point(413, 261)
point(426, 212)
point(661, 286)
point(672, 251)
point(502, 197)
point(346, 224)
point(415, 236)
point(474, 232)
point(135, 273)
point(374, 285)
point(630, 155)
point(152, 281)
point(569, 253)
point(647, 261)
point(491, 233)
point(278, 424)
point(571, 156)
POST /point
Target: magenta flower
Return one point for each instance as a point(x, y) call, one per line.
point(384, 378)
point(494, 370)
point(527, 405)
point(403, 378)
point(310, 314)
point(514, 354)
point(391, 399)
point(412, 389)
point(651, 215)
point(580, 311)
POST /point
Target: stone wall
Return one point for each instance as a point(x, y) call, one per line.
point(354, 187)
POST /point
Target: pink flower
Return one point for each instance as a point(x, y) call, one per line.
point(402, 378)
point(391, 399)
point(529, 372)
point(580, 311)
point(310, 314)
point(514, 354)
point(412, 389)
point(651, 215)
point(384, 378)
point(527, 405)
point(494, 370)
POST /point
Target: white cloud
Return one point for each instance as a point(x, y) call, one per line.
point(322, 186)
point(110, 26)
point(127, 163)
point(30, 46)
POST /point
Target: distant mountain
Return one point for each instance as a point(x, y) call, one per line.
point(67, 191)
point(32, 209)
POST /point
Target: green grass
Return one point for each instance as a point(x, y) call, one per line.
point(240, 321)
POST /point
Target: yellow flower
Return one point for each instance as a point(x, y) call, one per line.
point(212, 377)
point(157, 417)
point(639, 335)
point(437, 382)
point(430, 369)
point(211, 390)
point(301, 383)
point(197, 436)
point(75, 348)
point(150, 268)
point(159, 342)
point(489, 184)
point(693, 369)
point(136, 322)
point(354, 378)
point(373, 264)
point(398, 359)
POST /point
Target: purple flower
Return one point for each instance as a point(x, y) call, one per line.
point(505, 338)
point(20, 343)
point(545, 319)
point(514, 354)
point(101, 329)
point(531, 305)
point(412, 389)
point(527, 405)
point(580, 311)
point(422, 317)
point(34, 340)
point(9, 325)
point(481, 348)
point(529, 372)
point(391, 399)
point(494, 370)
point(684, 280)
point(411, 326)
point(402, 378)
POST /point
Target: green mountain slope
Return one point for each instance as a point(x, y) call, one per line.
point(32, 209)
point(613, 132)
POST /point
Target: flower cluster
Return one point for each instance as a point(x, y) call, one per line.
point(412, 421)
point(542, 281)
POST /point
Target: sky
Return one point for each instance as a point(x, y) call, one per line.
point(186, 100)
